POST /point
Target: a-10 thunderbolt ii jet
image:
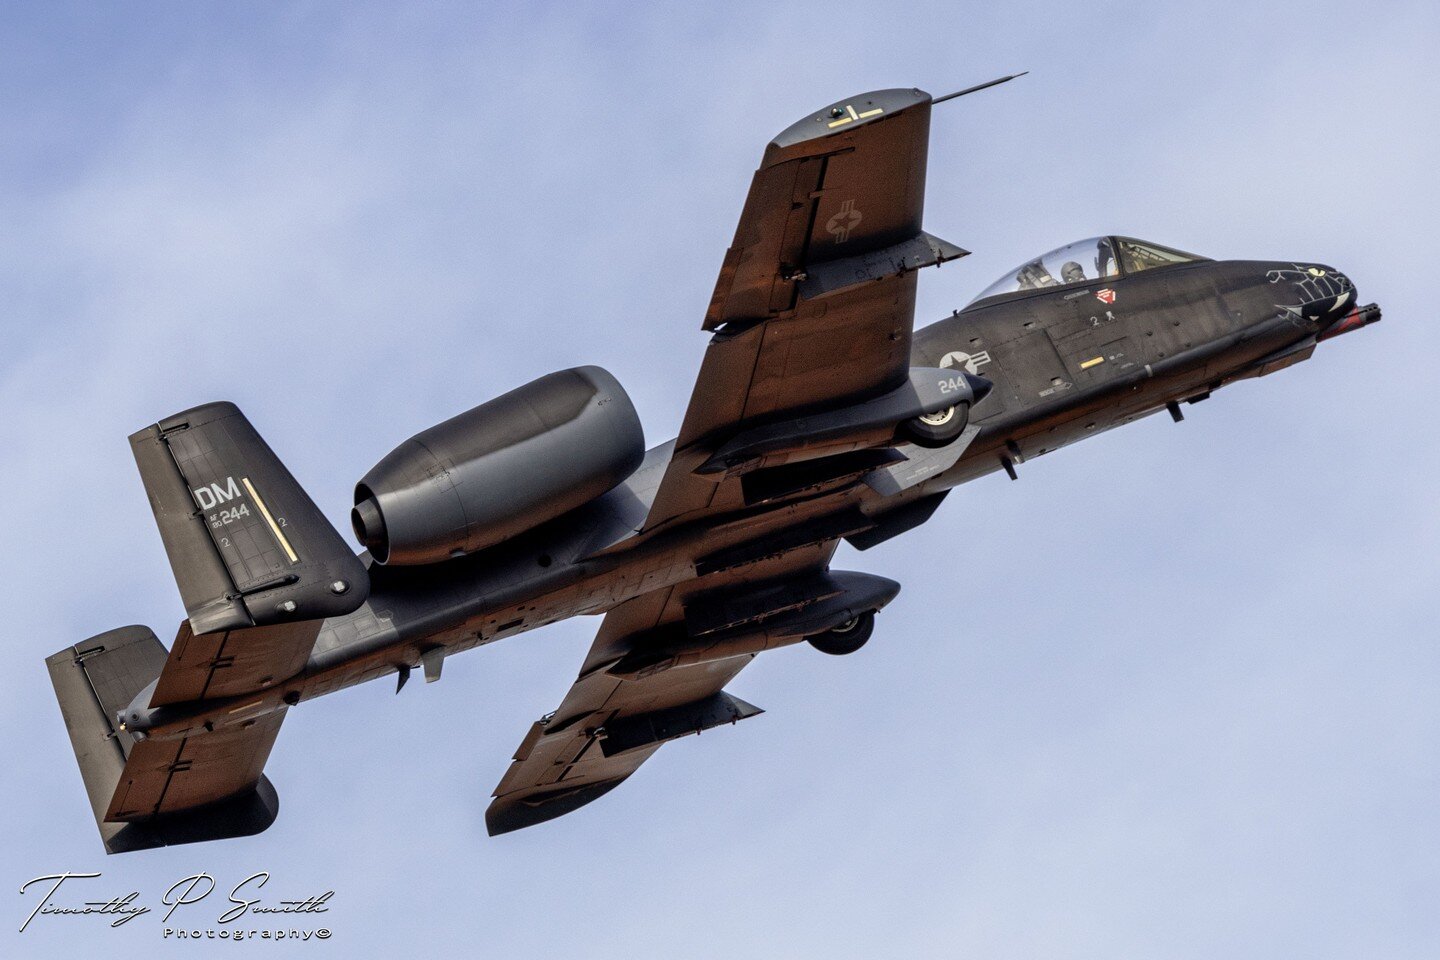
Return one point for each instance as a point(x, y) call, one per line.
point(820, 415)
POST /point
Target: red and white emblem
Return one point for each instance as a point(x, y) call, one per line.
point(1106, 296)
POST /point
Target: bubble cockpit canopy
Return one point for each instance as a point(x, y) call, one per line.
point(1085, 261)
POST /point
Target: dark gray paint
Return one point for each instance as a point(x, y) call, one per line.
point(673, 554)
point(500, 469)
point(230, 515)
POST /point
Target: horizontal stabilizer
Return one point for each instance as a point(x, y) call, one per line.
point(245, 815)
point(96, 679)
point(247, 545)
point(227, 663)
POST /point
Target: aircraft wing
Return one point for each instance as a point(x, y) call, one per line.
point(606, 727)
point(815, 302)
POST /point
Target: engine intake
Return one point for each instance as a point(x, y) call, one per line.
point(500, 469)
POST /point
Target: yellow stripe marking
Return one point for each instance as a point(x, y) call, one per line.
point(853, 116)
point(1091, 362)
point(274, 528)
point(246, 706)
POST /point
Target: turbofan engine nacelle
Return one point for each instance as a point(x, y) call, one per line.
point(500, 469)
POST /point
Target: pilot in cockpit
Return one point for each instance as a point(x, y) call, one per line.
point(1072, 272)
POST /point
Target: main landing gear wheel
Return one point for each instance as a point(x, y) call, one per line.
point(936, 429)
point(847, 637)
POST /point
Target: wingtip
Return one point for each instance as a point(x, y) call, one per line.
point(507, 814)
point(845, 116)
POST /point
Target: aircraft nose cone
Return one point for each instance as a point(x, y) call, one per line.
point(1336, 297)
point(1313, 291)
point(1345, 299)
point(1329, 293)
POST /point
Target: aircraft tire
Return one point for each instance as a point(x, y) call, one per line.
point(938, 429)
point(846, 638)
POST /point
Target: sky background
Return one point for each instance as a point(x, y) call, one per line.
point(1174, 694)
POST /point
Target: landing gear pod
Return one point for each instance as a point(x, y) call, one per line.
point(930, 408)
point(846, 637)
point(500, 469)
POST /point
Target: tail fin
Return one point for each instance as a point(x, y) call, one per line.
point(247, 546)
point(94, 681)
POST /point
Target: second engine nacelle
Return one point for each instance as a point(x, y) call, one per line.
point(500, 469)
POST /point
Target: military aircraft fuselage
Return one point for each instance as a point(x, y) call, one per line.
point(1066, 361)
point(1073, 360)
point(820, 413)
